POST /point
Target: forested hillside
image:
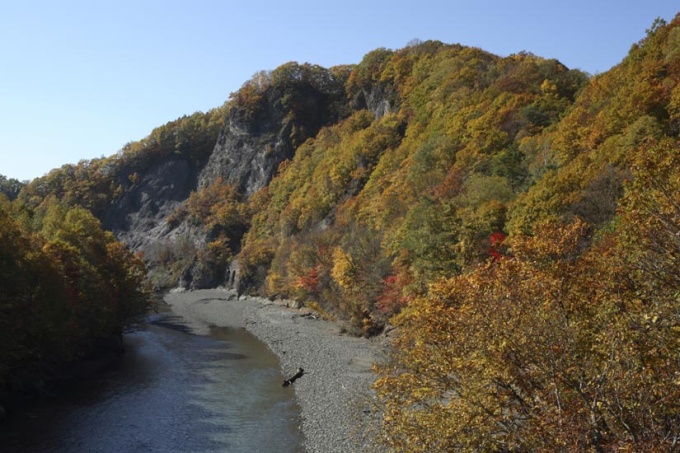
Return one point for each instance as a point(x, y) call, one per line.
point(567, 337)
point(376, 207)
point(517, 220)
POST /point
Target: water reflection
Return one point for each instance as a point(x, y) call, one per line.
point(172, 392)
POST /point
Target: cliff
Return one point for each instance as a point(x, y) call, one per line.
point(263, 123)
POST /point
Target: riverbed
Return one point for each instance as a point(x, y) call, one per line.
point(338, 409)
point(206, 377)
point(175, 389)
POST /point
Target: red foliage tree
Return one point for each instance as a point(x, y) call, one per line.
point(497, 250)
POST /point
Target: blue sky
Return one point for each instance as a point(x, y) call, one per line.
point(79, 79)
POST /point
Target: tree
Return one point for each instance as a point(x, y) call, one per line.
point(10, 187)
point(104, 279)
point(66, 285)
point(479, 357)
point(549, 349)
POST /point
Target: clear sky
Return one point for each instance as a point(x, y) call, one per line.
point(79, 79)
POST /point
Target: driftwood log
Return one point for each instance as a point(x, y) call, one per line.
point(294, 377)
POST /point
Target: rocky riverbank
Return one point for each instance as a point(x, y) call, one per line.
point(334, 393)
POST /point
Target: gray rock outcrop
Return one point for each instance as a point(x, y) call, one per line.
point(292, 104)
point(248, 159)
point(138, 216)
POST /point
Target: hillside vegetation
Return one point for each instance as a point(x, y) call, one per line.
point(68, 290)
point(517, 220)
point(372, 210)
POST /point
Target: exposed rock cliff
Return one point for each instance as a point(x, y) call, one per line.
point(138, 216)
point(247, 156)
point(267, 119)
point(271, 115)
point(379, 99)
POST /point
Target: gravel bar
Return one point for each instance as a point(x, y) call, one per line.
point(334, 393)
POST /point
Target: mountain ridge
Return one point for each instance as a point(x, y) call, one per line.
point(458, 144)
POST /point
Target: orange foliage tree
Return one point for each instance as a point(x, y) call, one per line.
point(555, 347)
point(66, 285)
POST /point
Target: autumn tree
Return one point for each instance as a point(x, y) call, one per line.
point(105, 280)
point(68, 285)
point(559, 346)
point(478, 363)
point(10, 187)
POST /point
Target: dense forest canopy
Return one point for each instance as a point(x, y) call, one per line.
point(67, 286)
point(516, 219)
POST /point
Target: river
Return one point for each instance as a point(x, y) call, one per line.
point(172, 391)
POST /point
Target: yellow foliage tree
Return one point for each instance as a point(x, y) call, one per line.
point(343, 269)
point(550, 350)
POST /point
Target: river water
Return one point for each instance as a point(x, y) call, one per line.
point(172, 391)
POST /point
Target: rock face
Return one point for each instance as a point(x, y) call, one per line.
point(248, 158)
point(264, 130)
point(245, 155)
point(138, 217)
point(260, 132)
point(379, 99)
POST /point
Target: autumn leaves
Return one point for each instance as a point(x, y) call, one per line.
point(569, 343)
